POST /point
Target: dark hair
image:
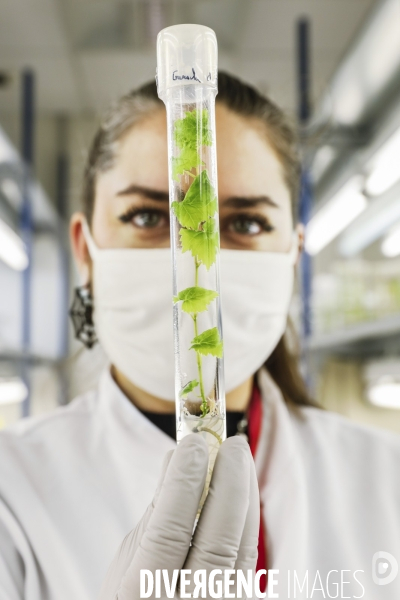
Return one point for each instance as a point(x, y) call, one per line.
point(246, 101)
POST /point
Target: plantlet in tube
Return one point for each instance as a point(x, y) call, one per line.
point(187, 83)
point(198, 235)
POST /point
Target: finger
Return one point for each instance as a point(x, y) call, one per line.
point(220, 528)
point(166, 541)
point(248, 550)
point(127, 549)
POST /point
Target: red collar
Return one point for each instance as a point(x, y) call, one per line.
point(255, 414)
point(254, 418)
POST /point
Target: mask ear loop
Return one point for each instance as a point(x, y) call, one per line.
point(93, 250)
point(294, 250)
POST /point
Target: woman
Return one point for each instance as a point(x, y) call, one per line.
point(74, 483)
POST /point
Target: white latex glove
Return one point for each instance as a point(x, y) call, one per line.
point(226, 536)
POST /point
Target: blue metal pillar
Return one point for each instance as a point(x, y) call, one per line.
point(62, 186)
point(27, 151)
point(303, 69)
point(305, 200)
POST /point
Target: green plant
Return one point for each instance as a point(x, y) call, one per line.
point(198, 234)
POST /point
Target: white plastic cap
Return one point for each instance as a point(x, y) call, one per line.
point(186, 55)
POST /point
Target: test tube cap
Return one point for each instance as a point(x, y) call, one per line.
point(186, 55)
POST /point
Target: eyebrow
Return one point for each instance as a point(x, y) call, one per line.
point(249, 202)
point(232, 202)
point(144, 191)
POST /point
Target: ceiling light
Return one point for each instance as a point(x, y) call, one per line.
point(382, 382)
point(335, 216)
point(391, 244)
point(12, 248)
point(12, 391)
point(385, 166)
point(12, 192)
point(385, 394)
point(375, 222)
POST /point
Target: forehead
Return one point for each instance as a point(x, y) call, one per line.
point(247, 163)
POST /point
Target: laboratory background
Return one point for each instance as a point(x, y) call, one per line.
point(333, 65)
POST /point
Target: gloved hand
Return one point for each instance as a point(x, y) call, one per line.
point(226, 535)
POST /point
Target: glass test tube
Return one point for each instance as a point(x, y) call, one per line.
point(187, 84)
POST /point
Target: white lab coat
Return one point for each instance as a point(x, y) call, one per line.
point(74, 482)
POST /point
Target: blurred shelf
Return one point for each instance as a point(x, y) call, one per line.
point(369, 337)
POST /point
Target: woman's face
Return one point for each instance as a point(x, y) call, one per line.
point(131, 199)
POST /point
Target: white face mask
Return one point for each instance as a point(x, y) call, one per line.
point(132, 289)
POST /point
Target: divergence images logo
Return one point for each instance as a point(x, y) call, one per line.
point(384, 568)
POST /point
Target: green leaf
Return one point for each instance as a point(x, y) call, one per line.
point(199, 204)
point(193, 130)
point(189, 387)
point(208, 342)
point(202, 244)
point(186, 161)
point(209, 227)
point(195, 299)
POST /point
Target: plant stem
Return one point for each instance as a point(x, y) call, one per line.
point(204, 405)
point(212, 433)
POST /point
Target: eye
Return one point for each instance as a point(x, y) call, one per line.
point(145, 218)
point(249, 225)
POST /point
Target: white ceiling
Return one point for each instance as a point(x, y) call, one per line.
point(86, 52)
